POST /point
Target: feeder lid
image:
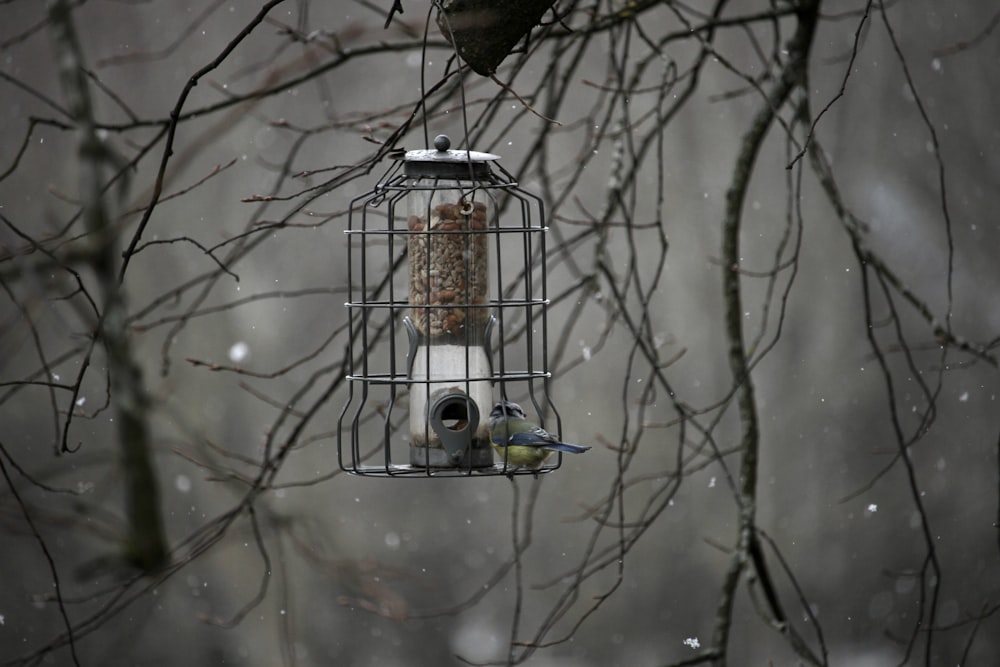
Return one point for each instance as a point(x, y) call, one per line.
point(446, 163)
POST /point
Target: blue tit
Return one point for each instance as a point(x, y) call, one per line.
point(522, 443)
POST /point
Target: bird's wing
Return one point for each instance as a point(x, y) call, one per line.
point(537, 437)
point(543, 439)
point(567, 447)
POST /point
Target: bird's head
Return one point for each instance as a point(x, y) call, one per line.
point(506, 410)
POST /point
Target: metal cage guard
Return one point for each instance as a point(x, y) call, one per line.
point(447, 302)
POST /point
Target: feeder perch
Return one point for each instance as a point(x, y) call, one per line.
point(447, 309)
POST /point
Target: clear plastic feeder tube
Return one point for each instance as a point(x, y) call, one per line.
point(447, 253)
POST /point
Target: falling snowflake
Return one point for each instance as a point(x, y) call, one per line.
point(182, 483)
point(239, 352)
point(692, 642)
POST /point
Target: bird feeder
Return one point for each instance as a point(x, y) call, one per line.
point(447, 314)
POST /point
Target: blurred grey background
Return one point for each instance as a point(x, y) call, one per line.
point(359, 571)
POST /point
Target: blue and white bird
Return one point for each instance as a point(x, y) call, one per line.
point(522, 443)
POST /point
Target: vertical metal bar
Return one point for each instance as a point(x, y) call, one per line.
point(391, 314)
point(547, 373)
point(350, 354)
